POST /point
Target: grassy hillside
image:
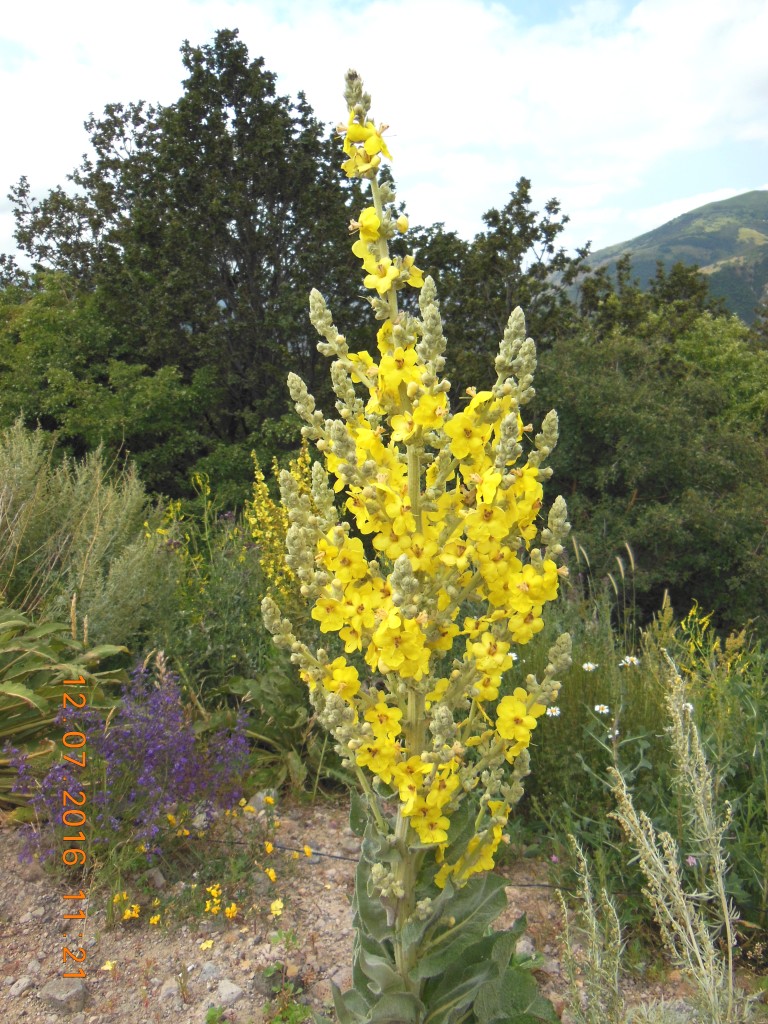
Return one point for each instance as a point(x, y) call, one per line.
point(728, 240)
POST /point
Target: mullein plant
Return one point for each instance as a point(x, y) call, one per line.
point(427, 579)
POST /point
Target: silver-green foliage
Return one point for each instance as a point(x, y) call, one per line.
point(697, 928)
point(75, 528)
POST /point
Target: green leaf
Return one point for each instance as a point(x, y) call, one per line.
point(376, 963)
point(474, 907)
point(454, 991)
point(396, 1008)
point(351, 1007)
point(358, 813)
point(370, 917)
point(22, 692)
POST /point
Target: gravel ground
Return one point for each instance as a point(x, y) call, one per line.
point(163, 975)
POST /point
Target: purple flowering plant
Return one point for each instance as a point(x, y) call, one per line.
point(152, 781)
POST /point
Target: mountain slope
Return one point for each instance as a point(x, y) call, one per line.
point(728, 240)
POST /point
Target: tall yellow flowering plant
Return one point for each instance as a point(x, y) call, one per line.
point(429, 576)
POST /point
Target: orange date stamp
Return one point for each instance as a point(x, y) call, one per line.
point(74, 816)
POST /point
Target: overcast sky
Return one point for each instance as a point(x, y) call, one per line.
point(630, 113)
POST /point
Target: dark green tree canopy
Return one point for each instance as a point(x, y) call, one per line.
point(201, 228)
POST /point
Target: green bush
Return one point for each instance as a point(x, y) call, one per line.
point(76, 529)
point(34, 659)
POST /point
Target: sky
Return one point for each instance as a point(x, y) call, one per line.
point(629, 113)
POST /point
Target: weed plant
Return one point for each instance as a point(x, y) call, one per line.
point(149, 780)
point(213, 632)
point(696, 918)
point(70, 528)
point(612, 707)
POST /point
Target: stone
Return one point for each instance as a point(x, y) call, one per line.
point(321, 993)
point(34, 966)
point(210, 971)
point(156, 878)
point(342, 977)
point(20, 985)
point(228, 993)
point(67, 995)
point(168, 990)
point(31, 872)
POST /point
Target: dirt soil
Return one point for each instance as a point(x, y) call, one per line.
point(159, 975)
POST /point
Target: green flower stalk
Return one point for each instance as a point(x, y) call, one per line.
point(429, 576)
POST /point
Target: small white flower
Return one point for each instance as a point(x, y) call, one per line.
point(688, 707)
point(553, 712)
point(612, 734)
point(602, 709)
point(513, 656)
point(589, 666)
point(629, 659)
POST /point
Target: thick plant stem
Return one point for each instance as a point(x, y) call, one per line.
point(409, 858)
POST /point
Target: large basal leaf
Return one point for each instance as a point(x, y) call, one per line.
point(513, 999)
point(396, 1008)
point(451, 994)
point(22, 693)
point(474, 908)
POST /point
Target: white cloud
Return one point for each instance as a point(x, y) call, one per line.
point(586, 106)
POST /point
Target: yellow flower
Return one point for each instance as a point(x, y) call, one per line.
point(384, 720)
point(268, 846)
point(307, 851)
point(381, 276)
point(276, 908)
point(230, 911)
point(155, 919)
point(110, 965)
point(208, 944)
point(269, 801)
point(514, 720)
point(271, 874)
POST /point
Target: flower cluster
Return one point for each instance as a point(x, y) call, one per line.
point(435, 574)
point(268, 521)
point(150, 775)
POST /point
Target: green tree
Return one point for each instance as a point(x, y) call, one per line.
point(663, 447)
point(612, 297)
point(57, 371)
point(195, 226)
point(515, 262)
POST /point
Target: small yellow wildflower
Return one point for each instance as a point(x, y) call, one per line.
point(208, 944)
point(307, 851)
point(155, 919)
point(110, 965)
point(276, 908)
point(269, 847)
point(230, 911)
point(271, 874)
point(269, 801)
